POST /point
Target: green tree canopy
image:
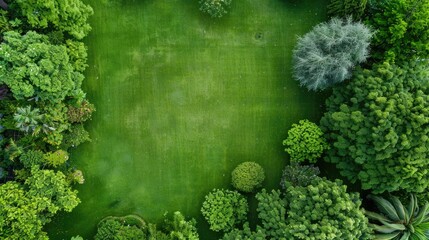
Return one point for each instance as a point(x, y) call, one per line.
point(224, 209)
point(67, 15)
point(324, 210)
point(33, 68)
point(305, 141)
point(402, 29)
point(378, 126)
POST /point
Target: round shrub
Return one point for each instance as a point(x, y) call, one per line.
point(328, 53)
point(112, 229)
point(224, 209)
point(305, 142)
point(215, 8)
point(247, 176)
point(31, 158)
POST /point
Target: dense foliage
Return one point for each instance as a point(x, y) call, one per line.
point(41, 65)
point(324, 210)
point(298, 175)
point(305, 141)
point(133, 227)
point(346, 8)
point(34, 68)
point(247, 176)
point(25, 208)
point(399, 221)
point(224, 209)
point(328, 53)
point(215, 8)
point(378, 127)
point(68, 16)
point(402, 29)
point(112, 229)
point(321, 210)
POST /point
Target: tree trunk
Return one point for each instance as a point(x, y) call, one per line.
point(3, 5)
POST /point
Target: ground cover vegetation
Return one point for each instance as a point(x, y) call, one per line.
point(374, 130)
point(40, 82)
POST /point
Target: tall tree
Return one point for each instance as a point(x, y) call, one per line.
point(33, 68)
point(67, 15)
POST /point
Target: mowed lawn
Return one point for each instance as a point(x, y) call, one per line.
point(181, 100)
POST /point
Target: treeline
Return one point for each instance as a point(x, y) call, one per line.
point(42, 108)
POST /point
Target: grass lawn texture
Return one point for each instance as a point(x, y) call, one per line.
point(181, 100)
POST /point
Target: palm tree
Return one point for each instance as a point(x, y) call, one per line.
point(27, 119)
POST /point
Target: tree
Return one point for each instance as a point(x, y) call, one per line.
point(224, 209)
point(329, 52)
point(33, 68)
point(305, 142)
point(272, 214)
point(215, 8)
point(178, 228)
point(247, 176)
point(377, 125)
point(245, 234)
point(69, 16)
point(298, 175)
point(112, 229)
point(402, 29)
point(324, 210)
point(20, 213)
point(346, 8)
point(27, 119)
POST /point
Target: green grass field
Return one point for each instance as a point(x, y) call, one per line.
point(181, 100)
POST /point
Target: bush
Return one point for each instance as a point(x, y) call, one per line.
point(32, 158)
point(346, 8)
point(75, 136)
point(215, 8)
point(272, 213)
point(247, 176)
point(224, 209)
point(377, 125)
point(298, 175)
point(305, 142)
point(326, 55)
point(56, 158)
point(324, 210)
point(81, 113)
point(111, 229)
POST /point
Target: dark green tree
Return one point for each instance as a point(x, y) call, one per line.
point(346, 8)
point(377, 125)
point(402, 29)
